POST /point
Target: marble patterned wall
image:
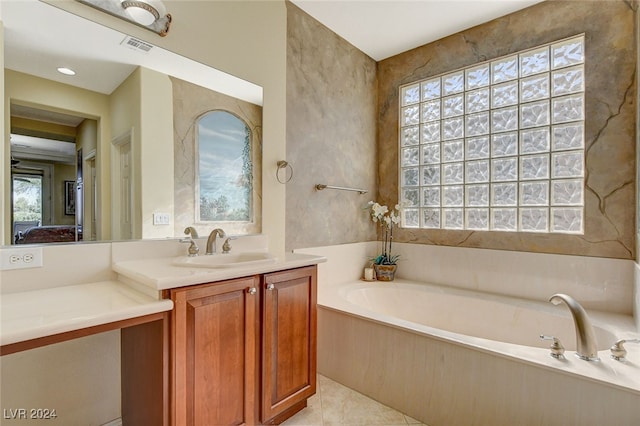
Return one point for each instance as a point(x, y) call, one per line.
point(610, 111)
point(189, 103)
point(331, 135)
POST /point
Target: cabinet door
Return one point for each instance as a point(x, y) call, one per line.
point(215, 335)
point(288, 342)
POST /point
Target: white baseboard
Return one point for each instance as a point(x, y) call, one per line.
point(115, 422)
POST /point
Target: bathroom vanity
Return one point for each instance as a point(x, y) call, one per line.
point(243, 351)
point(238, 347)
point(223, 344)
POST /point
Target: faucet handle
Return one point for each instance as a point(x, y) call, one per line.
point(618, 352)
point(226, 247)
point(557, 350)
point(193, 247)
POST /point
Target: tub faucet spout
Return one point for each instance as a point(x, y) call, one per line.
point(587, 346)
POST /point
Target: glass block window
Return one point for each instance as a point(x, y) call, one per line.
point(497, 146)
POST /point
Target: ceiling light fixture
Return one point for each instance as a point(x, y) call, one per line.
point(66, 71)
point(149, 14)
point(141, 11)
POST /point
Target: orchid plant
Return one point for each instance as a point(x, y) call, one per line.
point(387, 219)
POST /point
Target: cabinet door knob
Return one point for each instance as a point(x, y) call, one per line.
point(270, 287)
point(252, 290)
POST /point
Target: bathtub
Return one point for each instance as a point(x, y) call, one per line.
point(450, 356)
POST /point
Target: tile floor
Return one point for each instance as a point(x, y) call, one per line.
point(337, 405)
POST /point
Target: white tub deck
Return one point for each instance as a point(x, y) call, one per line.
point(494, 324)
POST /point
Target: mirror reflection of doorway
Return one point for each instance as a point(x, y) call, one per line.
point(122, 186)
point(79, 197)
point(90, 196)
point(46, 156)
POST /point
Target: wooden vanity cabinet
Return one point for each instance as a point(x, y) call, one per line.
point(215, 339)
point(243, 350)
point(288, 343)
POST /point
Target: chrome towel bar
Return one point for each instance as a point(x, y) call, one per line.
point(321, 186)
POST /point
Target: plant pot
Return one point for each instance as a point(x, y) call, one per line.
point(385, 272)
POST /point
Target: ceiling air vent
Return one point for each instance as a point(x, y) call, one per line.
point(135, 44)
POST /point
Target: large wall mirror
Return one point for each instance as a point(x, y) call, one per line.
point(109, 153)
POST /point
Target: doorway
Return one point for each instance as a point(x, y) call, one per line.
point(46, 153)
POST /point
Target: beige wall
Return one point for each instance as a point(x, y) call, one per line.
point(610, 126)
point(125, 109)
point(142, 107)
point(87, 133)
point(61, 173)
point(77, 378)
point(156, 153)
point(331, 134)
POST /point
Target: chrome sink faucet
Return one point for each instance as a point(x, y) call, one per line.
point(211, 241)
point(587, 346)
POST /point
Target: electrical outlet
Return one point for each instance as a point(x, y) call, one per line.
point(161, 218)
point(21, 258)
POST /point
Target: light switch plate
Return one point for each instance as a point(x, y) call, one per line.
point(22, 258)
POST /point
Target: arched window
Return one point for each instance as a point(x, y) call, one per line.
point(225, 168)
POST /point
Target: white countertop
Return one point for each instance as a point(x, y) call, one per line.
point(39, 313)
point(162, 274)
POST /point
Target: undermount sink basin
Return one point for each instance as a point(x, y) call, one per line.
point(225, 260)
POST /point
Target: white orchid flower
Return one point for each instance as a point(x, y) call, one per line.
point(395, 218)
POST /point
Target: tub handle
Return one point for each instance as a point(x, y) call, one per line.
point(618, 352)
point(557, 350)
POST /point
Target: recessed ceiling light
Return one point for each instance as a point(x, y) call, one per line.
point(66, 71)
